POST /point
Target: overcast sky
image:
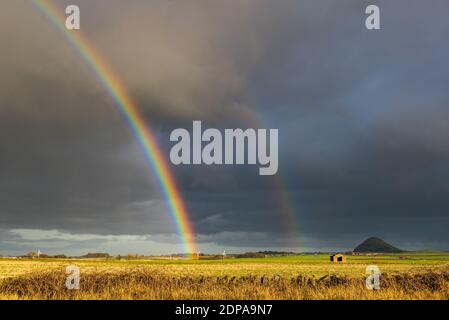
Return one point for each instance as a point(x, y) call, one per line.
point(363, 119)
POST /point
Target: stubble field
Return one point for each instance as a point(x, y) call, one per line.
point(403, 276)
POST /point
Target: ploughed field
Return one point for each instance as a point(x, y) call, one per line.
point(403, 276)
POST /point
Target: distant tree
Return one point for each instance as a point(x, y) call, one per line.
point(251, 255)
point(277, 253)
point(31, 254)
point(133, 256)
point(96, 255)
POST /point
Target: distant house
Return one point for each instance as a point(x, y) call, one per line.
point(338, 258)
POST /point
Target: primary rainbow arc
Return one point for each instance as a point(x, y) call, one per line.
point(140, 128)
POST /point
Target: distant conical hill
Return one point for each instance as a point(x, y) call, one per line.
point(376, 245)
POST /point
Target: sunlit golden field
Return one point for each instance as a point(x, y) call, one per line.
point(405, 276)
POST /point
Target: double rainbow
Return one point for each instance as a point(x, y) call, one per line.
point(129, 110)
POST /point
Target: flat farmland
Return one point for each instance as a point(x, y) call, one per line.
point(403, 276)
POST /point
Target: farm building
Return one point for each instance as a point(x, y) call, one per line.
point(338, 258)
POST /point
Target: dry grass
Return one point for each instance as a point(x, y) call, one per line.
point(145, 284)
point(285, 267)
point(424, 276)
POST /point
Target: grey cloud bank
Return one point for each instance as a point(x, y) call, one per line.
point(362, 117)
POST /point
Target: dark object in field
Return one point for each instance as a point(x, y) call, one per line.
point(338, 258)
point(376, 245)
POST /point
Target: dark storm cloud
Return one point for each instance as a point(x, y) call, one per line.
point(362, 118)
point(369, 114)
